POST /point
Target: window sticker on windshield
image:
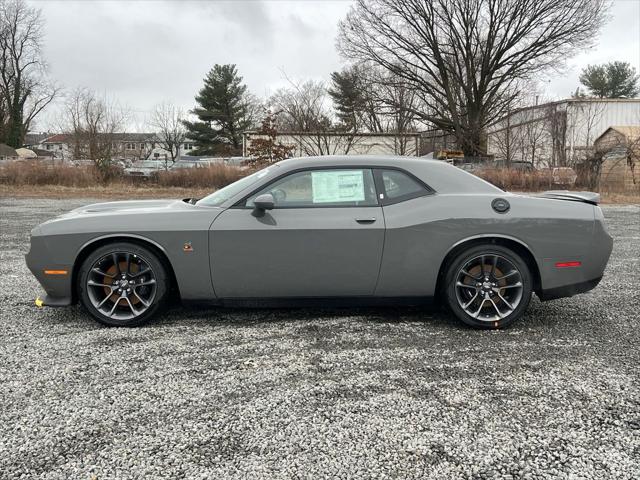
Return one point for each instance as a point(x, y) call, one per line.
point(338, 186)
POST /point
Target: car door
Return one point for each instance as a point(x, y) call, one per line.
point(411, 257)
point(323, 238)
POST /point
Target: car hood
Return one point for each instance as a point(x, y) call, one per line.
point(130, 216)
point(128, 206)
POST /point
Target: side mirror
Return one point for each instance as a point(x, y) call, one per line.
point(264, 202)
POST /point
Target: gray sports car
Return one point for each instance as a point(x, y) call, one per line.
point(370, 230)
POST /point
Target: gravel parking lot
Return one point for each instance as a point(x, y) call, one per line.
point(343, 393)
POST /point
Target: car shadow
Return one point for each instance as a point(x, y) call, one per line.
point(243, 316)
point(546, 315)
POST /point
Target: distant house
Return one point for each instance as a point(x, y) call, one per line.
point(620, 150)
point(308, 144)
point(7, 152)
point(58, 145)
point(28, 152)
point(125, 146)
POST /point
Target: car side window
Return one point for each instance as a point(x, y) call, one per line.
point(399, 186)
point(322, 188)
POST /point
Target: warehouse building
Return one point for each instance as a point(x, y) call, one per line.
point(559, 133)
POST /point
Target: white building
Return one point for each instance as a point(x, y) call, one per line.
point(308, 144)
point(558, 133)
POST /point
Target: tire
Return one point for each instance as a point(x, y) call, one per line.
point(123, 284)
point(494, 303)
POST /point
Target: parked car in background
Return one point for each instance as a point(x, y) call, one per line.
point(563, 176)
point(515, 165)
point(181, 164)
point(145, 168)
point(123, 163)
point(469, 167)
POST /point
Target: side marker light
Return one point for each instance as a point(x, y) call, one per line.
point(568, 264)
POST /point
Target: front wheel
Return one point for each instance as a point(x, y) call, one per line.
point(122, 284)
point(488, 286)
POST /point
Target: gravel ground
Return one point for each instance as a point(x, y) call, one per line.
point(347, 393)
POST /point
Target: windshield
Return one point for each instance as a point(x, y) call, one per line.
point(220, 196)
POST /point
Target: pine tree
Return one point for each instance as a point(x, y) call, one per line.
point(222, 111)
point(347, 97)
point(611, 80)
point(355, 98)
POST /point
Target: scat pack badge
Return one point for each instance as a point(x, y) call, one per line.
point(187, 247)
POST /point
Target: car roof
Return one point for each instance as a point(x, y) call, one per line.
point(439, 175)
point(354, 160)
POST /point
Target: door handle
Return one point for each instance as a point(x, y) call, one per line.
point(366, 220)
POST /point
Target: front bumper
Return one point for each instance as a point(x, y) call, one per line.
point(58, 287)
point(49, 301)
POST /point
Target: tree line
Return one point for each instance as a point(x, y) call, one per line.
point(455, 65)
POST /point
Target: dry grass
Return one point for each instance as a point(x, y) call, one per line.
point(114, 191)
point(213, 177)
point(26, 173)
point(37, 180)
point(539, 181)
point(509, 179)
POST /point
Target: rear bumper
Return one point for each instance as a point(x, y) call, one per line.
point(559, 281)
point(568, 290)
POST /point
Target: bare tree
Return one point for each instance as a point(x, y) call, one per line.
point(304, 108)
point(583, 120)
point(464, 58)
point(508, 141)
point(93, 124)
point(533, 141)
point(523, 136)
point(24, 88)
point(557, 127)
point(167, 120)
point(370, 99)
point(396, 103)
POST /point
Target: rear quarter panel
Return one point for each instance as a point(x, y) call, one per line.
point(420, 233)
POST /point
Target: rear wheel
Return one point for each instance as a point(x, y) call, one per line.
point(122, 284)
point(488, 286)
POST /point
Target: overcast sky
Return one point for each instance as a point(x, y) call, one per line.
point(145, 52)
